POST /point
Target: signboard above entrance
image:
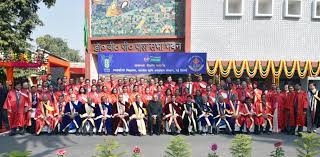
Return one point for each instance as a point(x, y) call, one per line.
point(152, 63)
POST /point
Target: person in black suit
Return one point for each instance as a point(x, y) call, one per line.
point(154, 111)
point(3, 113)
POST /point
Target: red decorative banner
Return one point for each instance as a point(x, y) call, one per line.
point(20, 64)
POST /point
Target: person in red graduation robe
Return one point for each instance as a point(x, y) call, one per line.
point(46, 115)
point(147, 96)
point(296, 105)
point(257, 93)
point(94, 95)
point(244, 92)
point(111, 83)
point(16, 105)
point(133, 94)
point(170, 84)
point(262, 114)
point(173, 116)
point(26, 92)
point(200, 85)
point(245, 115)
point(278, 102)
point(211, 96)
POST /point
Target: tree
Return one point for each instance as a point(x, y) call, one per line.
point(178, 147)
point(59, 47)
point(17, 20)
point(110, 148)
point(241, 146)
point(308, 145)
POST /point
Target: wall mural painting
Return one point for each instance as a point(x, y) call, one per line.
point(137, 18)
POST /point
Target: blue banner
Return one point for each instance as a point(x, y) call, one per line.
point(152, 63)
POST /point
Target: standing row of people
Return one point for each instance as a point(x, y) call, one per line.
point(138, 107)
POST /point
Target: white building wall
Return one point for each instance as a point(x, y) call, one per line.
point(249, 37)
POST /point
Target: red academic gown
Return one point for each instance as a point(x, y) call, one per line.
point(211, 97)
point(28, 114)
point(83, 98)
point(60, 110)
point(200, 86)
point(244, 116)
point(181, 88)
point(113, 98)
point(146, 98)
point(165, 99)
point(297, 114)
point(243, 93)
point(95, 97)
point(132, 97)
point(271, 97)
point(153, 89)
point(110, 84)
point(173, 108)
point(279, 99)
point(258, 117)
point(142, 88)
point(259, 111)
point(16, 108)
point(170, 85)
point(257, 93)
point(46, 115)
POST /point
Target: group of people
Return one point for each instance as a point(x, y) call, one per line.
point(141, 106)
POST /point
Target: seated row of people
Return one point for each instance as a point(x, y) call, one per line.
point(139, 118)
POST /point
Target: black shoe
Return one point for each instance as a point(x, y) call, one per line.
point(12, 133)
point(21, 131)
point(151, 134)
point(77, 133)
point(124, 134)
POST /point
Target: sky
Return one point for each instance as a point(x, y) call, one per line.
point(65, 20)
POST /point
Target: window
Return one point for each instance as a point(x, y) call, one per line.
point(293, 8)
point(264, 8)
point(316, 9)
point(234, 7)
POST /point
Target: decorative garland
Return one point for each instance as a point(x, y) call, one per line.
point(311, 72)
point(289, 74)
point(225, 72)
point(239, 73)
point(277, 74)
point(252, 73)
point(264, 71)
point(214, 70)
point(23, 59)
point(305, 71)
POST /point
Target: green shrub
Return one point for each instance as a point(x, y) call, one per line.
point(178, 147)
point(17, 154)
point(109, 149)
point(308, 145)
point(241, 146)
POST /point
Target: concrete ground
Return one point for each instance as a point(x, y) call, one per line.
point(84, 146)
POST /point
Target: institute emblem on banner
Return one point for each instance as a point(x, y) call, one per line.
point(196, 63)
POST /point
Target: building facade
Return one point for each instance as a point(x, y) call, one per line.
point(268, 38)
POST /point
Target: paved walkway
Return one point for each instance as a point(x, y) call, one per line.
point(84, 146)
